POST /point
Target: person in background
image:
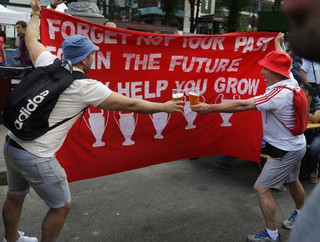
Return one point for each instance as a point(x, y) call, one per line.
point(3, 34)
point(110, 24)
point(296, 63)
point(3, 56)
point(310, 72)
point(222, 31)
point(313, 136)
point(297, 76)
point(24, 57)
point(224, 161)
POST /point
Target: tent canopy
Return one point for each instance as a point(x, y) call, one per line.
point(10, 17)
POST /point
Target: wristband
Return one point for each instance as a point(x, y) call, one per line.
point(35, 13)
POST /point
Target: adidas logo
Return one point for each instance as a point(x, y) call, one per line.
point(32, 105)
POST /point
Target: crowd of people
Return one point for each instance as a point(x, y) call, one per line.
point(282, 167)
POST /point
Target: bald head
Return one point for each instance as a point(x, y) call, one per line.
point(110, 24)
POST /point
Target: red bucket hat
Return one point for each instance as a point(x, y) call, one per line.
point(277, 61)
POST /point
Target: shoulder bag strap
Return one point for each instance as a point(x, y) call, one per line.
point(76, 75)
point(291, 89)
point(67, 119)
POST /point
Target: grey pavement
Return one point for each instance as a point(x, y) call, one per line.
point(3, 133)
point(185, 200)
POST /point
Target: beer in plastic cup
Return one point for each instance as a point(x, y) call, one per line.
point(194, 96)
point(177, 95)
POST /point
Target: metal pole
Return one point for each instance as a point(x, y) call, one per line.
point(130, 10)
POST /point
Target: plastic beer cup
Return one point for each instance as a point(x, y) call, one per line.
point(194, 96)
point(177, 95)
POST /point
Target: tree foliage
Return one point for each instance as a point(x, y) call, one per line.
point(169, 7)
point(234, 18)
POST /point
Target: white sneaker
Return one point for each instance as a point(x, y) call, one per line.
point(290, 222)
point(24, 238)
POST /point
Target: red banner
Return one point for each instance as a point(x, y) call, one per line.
point(149, 66)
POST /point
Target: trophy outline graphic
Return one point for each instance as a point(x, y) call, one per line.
point(226, 116)
point(158, 125)
point(190, 115)
point(95, 127)
point(124, 126)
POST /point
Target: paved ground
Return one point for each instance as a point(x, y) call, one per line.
point(185, 200)
point(3, 133)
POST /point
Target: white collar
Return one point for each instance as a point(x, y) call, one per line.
point(279, 84)
point(77, 69)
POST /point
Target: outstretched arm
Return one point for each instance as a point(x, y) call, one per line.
point(35, 48)
point(119, 102)
point(228, 107)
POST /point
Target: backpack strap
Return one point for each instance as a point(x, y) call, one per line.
point(294, 91)
point(67, 119)
point(79, 75)
point(76, 75)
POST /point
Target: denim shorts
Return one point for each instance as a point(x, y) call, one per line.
point(44, 175)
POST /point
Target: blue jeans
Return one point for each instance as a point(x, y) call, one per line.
point(313, 139)
point(226, 160)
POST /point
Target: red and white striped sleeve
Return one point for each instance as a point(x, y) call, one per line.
point(269, 100)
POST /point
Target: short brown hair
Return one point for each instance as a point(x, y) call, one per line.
point(22, 23)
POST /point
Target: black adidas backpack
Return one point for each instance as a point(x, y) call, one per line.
point(28, 106)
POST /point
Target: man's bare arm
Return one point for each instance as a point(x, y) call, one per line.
point(314, 118)
point(278, 41)
point(228, 107)
point(304, 76)
point(119, 102)
point(35, 48)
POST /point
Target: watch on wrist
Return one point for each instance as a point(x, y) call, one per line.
point(35, 13)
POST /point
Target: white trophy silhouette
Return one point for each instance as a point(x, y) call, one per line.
point(226, 116)
point(97, 125)
point(127, 125)
point(159, 121)
point(190, 115)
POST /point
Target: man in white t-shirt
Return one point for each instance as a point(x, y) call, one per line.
point(33, 163)
point(310, 72)
point(285, 149)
